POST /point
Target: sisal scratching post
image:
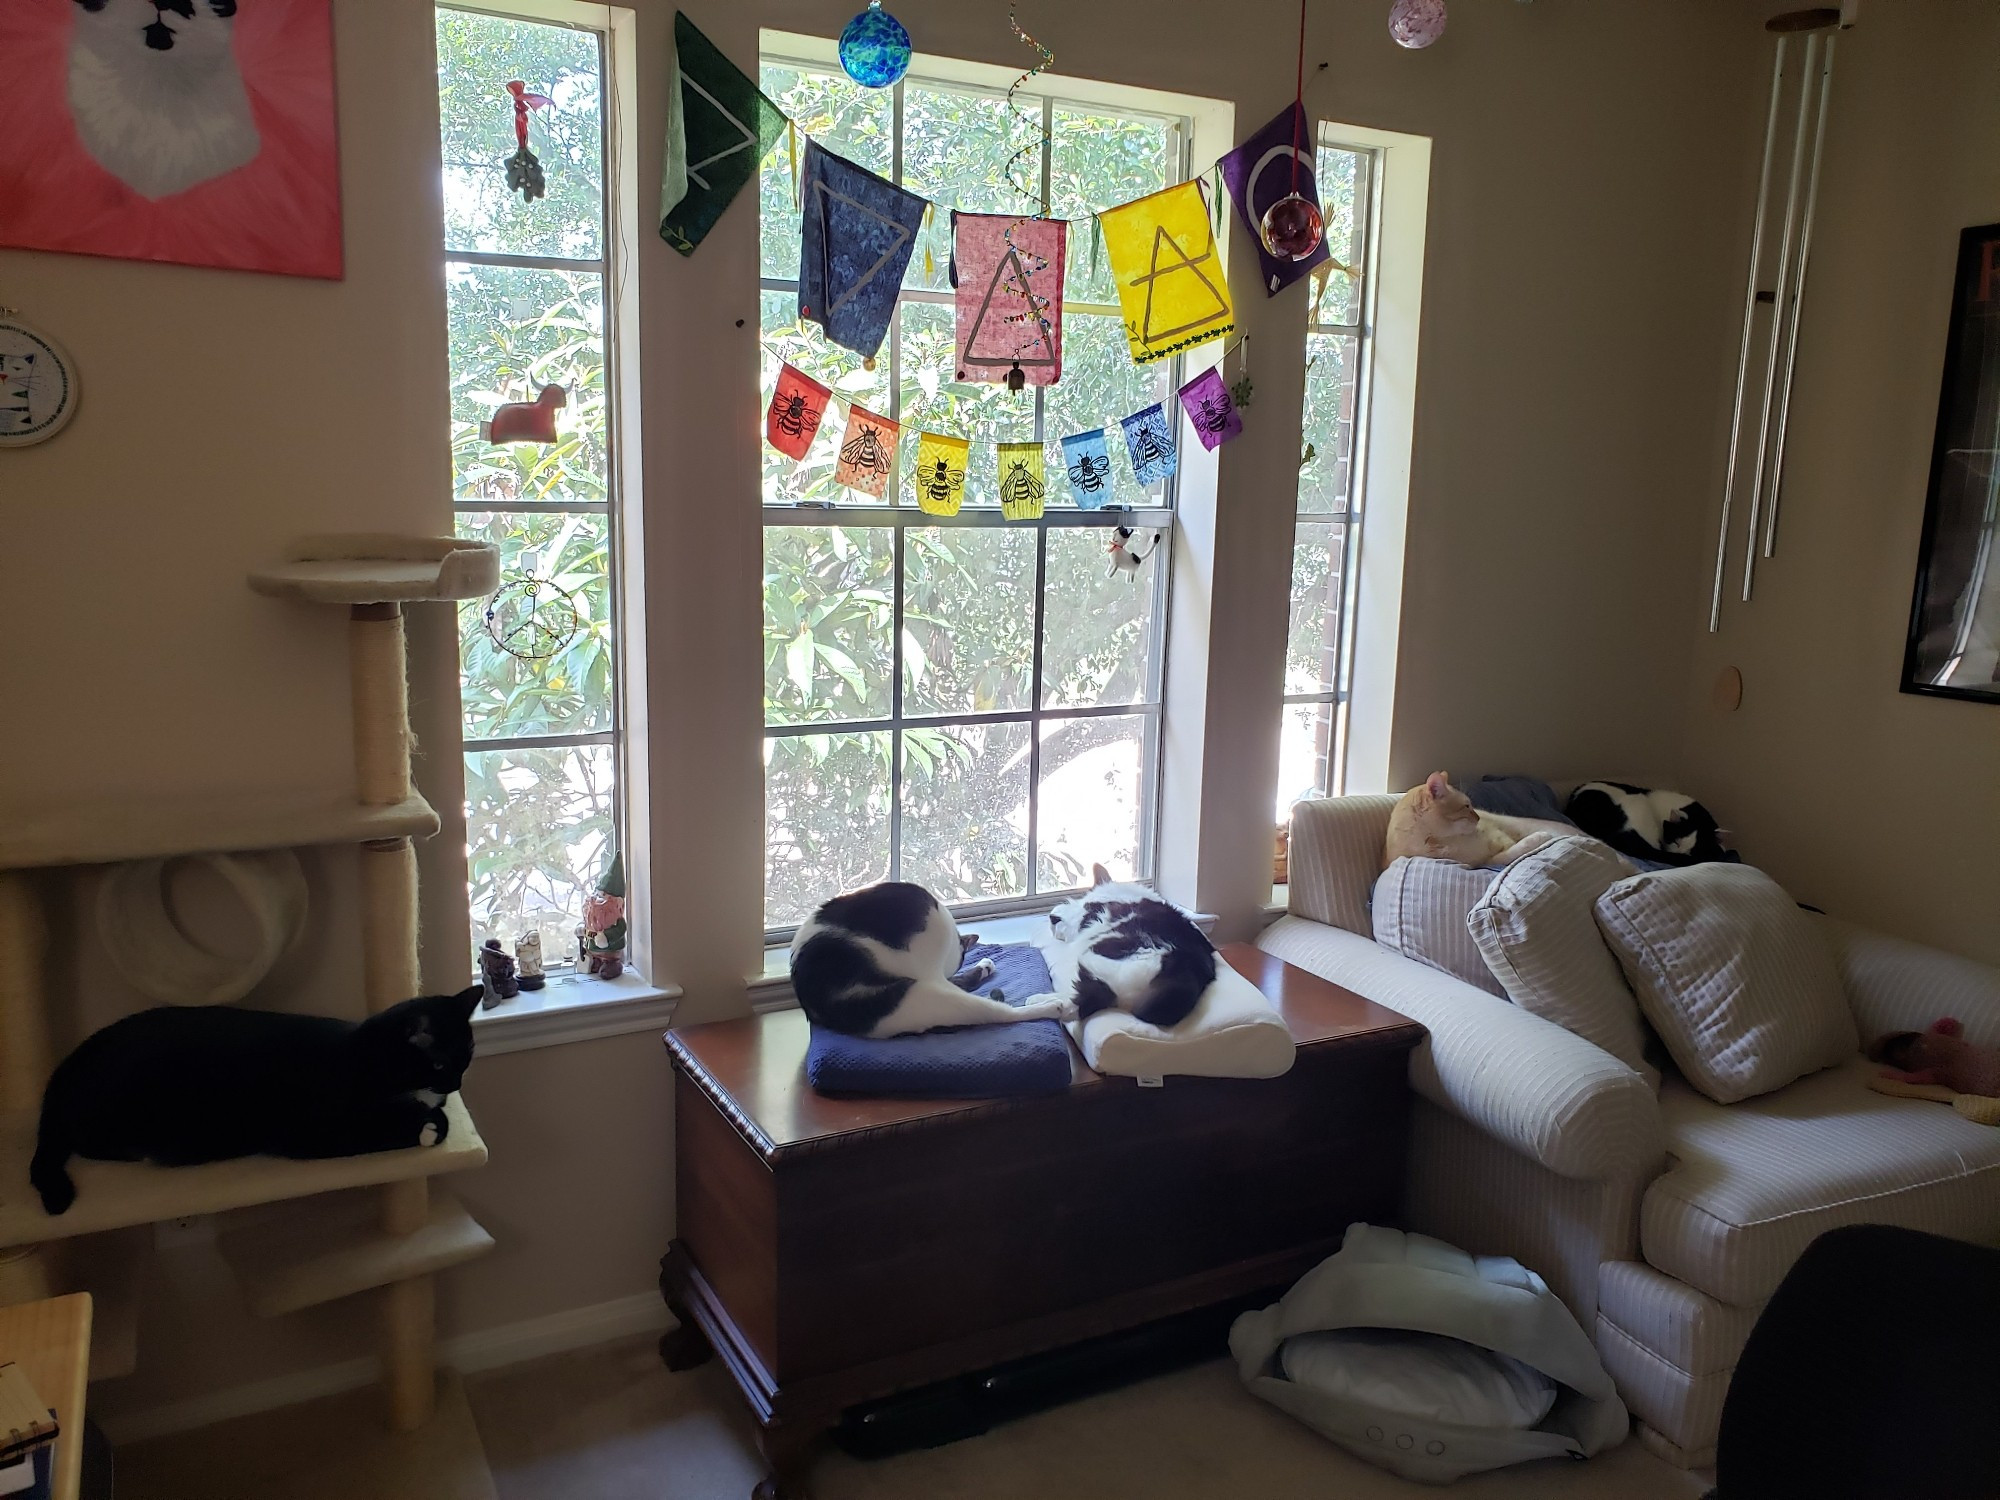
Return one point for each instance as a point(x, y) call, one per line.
point(24, 1015)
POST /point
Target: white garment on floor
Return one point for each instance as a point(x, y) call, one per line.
point(1420, 1375)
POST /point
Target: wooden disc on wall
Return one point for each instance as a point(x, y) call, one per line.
point(1727, 694)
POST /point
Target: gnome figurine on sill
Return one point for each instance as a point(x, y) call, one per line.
point(603, 937)
point(528, 955)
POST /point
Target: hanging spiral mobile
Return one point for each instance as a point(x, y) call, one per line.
point(1035, 146)
point(532, 618)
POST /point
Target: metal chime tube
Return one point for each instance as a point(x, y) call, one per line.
point(1743, 353)
point(1778, 306)
point(1798, 301)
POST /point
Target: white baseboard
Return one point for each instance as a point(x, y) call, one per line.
point(481, 1349)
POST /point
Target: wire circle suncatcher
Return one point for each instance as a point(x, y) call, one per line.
point(532, 618)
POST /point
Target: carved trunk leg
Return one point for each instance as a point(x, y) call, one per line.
point(787, 1453)
point(685, 1347)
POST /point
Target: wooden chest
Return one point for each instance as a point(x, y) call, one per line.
point(835, 1250)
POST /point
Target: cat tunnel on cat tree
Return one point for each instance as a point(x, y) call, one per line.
point(308, 1254)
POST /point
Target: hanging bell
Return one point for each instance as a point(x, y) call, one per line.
point(1017, 378)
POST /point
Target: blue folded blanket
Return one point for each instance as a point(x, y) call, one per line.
point(955, 1062)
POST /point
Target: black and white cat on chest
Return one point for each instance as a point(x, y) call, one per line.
point(181, 1085)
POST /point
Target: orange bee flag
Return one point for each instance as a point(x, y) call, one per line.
point(867, 452)
point(796, 407)
point(1170, 282)
point(941, 473)
point(1023, 477)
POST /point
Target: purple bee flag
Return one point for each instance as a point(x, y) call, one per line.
point(1149, 437)
point(1258, 173)
point(855, 240)
point(1207, 402)
point(1009, 274)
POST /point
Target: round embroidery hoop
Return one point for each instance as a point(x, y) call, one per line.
point(41, 410)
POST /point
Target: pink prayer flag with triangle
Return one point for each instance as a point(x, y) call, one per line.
point(1009, 274)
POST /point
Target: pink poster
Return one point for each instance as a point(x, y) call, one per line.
point(1009, 275)
point(200, 132)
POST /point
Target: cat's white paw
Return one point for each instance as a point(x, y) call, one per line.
point(1049, 1008)
point(978, 974)
point(431, 1134)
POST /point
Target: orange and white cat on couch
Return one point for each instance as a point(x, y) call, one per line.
point(1435, 820)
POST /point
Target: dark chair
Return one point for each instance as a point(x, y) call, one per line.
point(1873, 1374)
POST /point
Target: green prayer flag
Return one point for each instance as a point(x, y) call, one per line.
point(719, 127)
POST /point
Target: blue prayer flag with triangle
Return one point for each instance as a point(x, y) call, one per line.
point(854, 244)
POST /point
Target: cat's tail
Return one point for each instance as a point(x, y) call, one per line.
point(49, 1171)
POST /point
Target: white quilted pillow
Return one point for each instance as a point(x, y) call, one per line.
point(1733, 976)
point(1419, 910)
point(1537, 931)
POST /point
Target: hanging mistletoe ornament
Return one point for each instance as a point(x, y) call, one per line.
point(524, 168)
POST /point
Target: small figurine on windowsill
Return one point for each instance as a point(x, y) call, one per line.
point(496, 971)
point(528, 955)
point(602, 947)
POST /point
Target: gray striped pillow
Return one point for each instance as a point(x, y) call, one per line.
point(1419, 911)
point(1733, 976)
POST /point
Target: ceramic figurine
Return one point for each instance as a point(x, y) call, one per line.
point(496, 969)
point(604, 923)
point(528, 955)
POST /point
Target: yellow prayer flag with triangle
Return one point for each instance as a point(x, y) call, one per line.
point(941, 473)
point(1023, 480)
point(1164, 257)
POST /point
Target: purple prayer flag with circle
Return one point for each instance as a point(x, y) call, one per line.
point(1258, 173)
point(1211, 409)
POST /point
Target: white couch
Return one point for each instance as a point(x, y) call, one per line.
point(1664, 1221)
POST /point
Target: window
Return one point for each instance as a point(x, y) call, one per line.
point(971, 703)
point(527, 292)
point(1319, 648)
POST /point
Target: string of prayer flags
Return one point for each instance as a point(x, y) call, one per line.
point(1149, 437)
point(1087, 457)
point(1170, 282)
point(867, 452)
point(796, 408)
point(1260, 172)
point(1008, 272)
point(1211, 409)
point(855, 241)
point(941, 465)
point(1023, 480)
point(719, 127)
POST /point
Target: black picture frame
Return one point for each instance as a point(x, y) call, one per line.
point(1953, 646)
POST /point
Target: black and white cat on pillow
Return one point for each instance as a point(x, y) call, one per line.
point(1663, 827)
point(888, 960)
point(1122, 946)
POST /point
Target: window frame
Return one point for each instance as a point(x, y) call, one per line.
point(897, 514)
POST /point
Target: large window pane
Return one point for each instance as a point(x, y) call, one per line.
point(826, 819)
point(1098, 158)
point(477, 56)
point(569, 692)
point(1343, 197)
point(513, 331)
point(828, 622)
point(1332, 367)
point(1305, 753)
point(1090, 808)
point(1100, 384)
point(849, 120)
point(1312, 652)
point(933, 400)
point(968, 620)
point(786, 340)
point(965, 810)
point(1097, 623)
point(959, 146)
point(539, 827)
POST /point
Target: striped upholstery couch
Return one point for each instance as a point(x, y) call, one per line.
point(1664, 1220)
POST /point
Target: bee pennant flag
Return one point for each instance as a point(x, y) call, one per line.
point(1211, 409)
point(1023, 480)
point(941, 473)
point(796, 407)
point(1087, 457)
point(1149, 436)
point(867, 452)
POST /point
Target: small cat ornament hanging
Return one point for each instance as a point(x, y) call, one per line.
point(1130, 548)
point(524, 168)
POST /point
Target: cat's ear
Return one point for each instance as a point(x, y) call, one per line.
point(1437, 783)
point(468, 1000)
point(1100, 875)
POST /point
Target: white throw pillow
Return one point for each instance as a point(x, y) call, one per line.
point(1734, 977)
point(1419, 911)
point(1537, 928)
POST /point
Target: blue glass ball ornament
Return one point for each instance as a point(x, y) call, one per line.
point(875, 49)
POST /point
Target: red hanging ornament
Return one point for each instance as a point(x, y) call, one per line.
point(524, 170)
point(1293, 226)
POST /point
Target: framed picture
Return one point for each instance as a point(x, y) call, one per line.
point(1954, 644)
point(200, 132)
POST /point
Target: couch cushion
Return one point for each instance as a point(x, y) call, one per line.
point(1752, 1184)
point(1735, 978)
point(1336, 853)
point(1536, 929)
point(1420, 911)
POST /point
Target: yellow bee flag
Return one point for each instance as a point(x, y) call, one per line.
point(1170, 282)
point(1023, 480)
point(941, 473)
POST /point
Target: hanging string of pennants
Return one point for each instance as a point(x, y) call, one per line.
point(858, 232)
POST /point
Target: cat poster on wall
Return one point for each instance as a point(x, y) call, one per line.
point(198, 132)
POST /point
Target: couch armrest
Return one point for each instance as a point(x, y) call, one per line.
point(1335, 855)
point(1894, 985)
point(1536, 1088)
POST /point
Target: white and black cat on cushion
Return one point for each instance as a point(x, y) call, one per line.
point(181, 1085)
point(1660, 830)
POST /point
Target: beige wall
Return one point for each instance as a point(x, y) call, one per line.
point(1577, 297)
point(1879, 806)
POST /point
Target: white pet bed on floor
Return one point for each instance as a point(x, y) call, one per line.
point(1232, 1032)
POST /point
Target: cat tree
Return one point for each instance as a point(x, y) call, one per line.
point(308, 1254)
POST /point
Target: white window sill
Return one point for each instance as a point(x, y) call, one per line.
point(573, 1008)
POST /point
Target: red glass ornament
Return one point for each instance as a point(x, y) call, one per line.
point(1292, 227)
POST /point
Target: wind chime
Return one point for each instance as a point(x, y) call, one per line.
point(1814, 89)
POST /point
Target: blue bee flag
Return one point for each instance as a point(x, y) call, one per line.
point(854, 244)
point(1088, 458)
point(1149, 437)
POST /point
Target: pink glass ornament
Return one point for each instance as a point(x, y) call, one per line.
point(1416, 23)
point(1292, 227)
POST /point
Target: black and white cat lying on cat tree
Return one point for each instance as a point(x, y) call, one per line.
point(181, 1085)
